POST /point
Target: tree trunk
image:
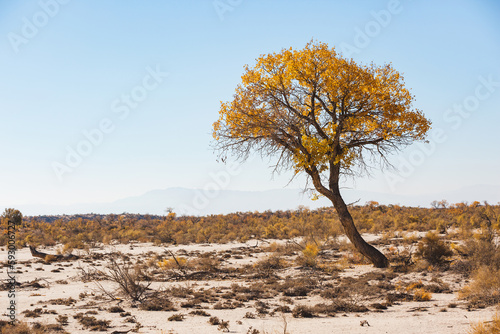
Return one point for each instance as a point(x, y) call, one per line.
point(374, 255)
point(333, 194)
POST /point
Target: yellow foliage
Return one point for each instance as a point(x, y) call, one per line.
point(414, 286)
point(420, 295)
point(169, 264)
point(319, 108)
point(309, 255)
point(492, 327)
point(311, 251)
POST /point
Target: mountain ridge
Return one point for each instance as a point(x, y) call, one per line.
point(186, 201)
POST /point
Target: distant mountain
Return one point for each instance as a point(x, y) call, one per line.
point(204, 202)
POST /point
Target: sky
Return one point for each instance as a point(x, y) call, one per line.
point(103, 100)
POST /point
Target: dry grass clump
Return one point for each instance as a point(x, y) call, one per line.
point(282, 249)
point(173, 263)
point(116, 309)
point(484, 289)
point(92, 323)
point(223, 326)
point(266, 266)
point(61, 301)
point(303, 311)
point(299, 287)
point(207, 264)
point(200, 313)
point(157, 302)
point(62, 320)
point(492, 327)
point(339, 305)
point(35, 328)
point(176, 317)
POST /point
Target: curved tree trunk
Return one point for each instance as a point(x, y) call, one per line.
point(333, 194)
point(374, 255)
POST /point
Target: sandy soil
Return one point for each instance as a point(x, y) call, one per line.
point(444, 313)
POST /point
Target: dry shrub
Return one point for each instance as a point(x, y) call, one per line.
point(309, 256)
point(477, 252)
point(492, 327)
point(484, 289)
point(415, 291)
point(208, 264)
point(24, 328)
point(356, 258)
point(191, 303)
point(176, 317)
point(131, 279)
point(297, 287)
point(18, 328)
point(62, 320)
point(335, 292)
point(282, 309)
point(433, 249)
point(268, 264)
point(275, 247)
point(116, 309)
point(92, 323)
point(200, 313)
point(303, 311)
point(339, 305)
point(172, 264)
point(62, 301)
point(180, 291)
point(223, 326)
point(420, 295)
point(158, 302)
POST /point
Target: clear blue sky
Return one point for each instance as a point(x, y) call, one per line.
point(67, 67)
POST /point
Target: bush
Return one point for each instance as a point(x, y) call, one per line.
point(24, 328)
point(157, 303)
point(477, 252)
point(420, 295)
point(433, 249)
point(116, 309)
point(130, 279)
point(309, 255)
point(303, 311)
point(484, 289)
point(268, 264)
point(171, 264)
point(176, 317)
point(492, 327)
point(223, 326)
point(92, 323)
point(339, 305)
point(200, 312)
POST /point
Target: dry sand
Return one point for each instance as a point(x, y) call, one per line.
point(63, 280)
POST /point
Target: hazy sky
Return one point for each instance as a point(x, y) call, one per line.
point(101, 100)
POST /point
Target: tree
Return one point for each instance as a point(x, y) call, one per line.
point(320, 114)
point(13, 215)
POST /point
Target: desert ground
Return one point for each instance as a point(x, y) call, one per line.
point(259, 286)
